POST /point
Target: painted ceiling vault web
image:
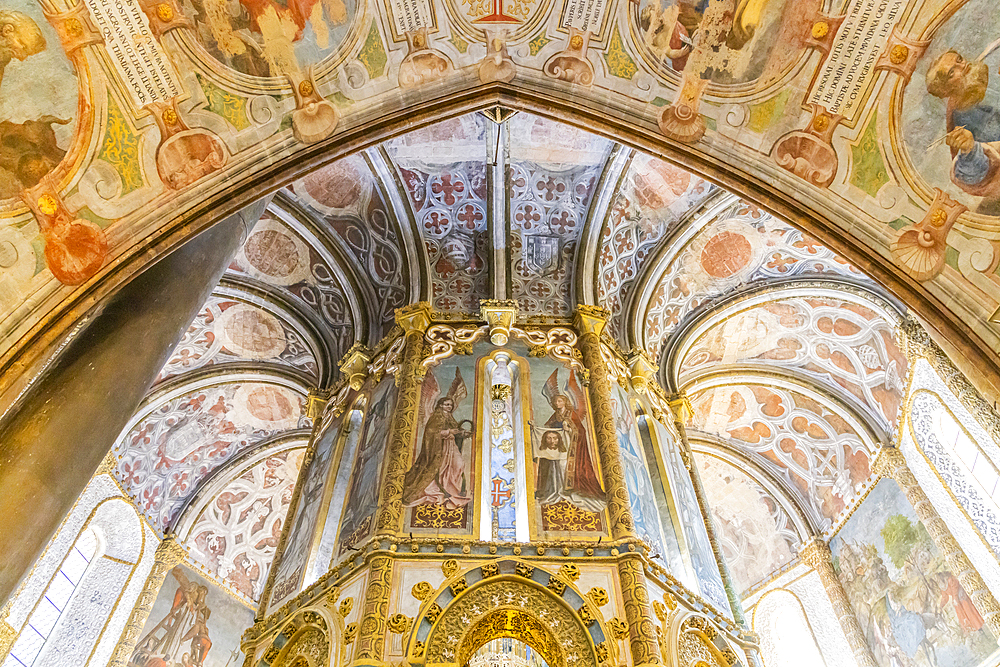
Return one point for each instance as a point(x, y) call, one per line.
point(787, 352)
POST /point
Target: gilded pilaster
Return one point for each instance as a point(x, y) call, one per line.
point(680, 408)
point(168, 555)
point(7, 637)
point(891, 462)
point(816, 554)
point(414, 320)
point(638, 613)
point(371, 632)
point(590, 322)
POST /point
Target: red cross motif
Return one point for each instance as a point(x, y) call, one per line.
point(501, 492)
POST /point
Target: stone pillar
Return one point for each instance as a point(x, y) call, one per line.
point(590, 322)
point(414, 320)
point(92, 386)
point(816, 554)
point(680, 409)
point(891, 462)
point(370, 645)
point(168, 555)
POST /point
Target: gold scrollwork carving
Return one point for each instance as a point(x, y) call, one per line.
point(489, 570)
point(350, 632)
point(442, 341)
point(558, 342)
point(458, 586)
point(569, 571)
point(598, 596)
point(399, 623)
point(524, 570)
point(449, 567)
point(433, 612)
point(422, 590)
point(618, 627)
point(556, 585)
point(346, 605)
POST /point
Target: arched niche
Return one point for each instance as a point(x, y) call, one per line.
point(312, 638)
point(509, 598)
point(691, 640)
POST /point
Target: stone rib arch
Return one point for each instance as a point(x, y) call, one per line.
point(690, 640)
point(509, 598)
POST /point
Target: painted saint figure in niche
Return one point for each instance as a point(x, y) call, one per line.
point(564, 469)
point(973, 125)
point(438, 474)
point(181, 636)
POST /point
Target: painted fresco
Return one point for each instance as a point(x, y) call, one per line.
point(728, 43)
point(911, 607)
point(951, 122)
point(664, 502)
point(698, 550)
point(179, 443)
point(271, 38)
point(566, 480)
point(642, 499)
point(361, 501)
point(292, 563)
point(237, 534)
point(193, 623)
point(440, 486)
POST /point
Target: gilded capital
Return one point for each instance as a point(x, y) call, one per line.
point(414, 318)
point(642, 368)
point(889, 462)
point(500, 315)
point(816, 553)
point(316, 403)
point(169, 553)
point(590, 320)
point(680, 406)
point(354, 365)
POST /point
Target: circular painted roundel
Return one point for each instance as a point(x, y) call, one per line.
point(725, 254)
point(251, 332)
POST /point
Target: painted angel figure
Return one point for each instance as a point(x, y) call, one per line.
point(564, 469)
point(438, 474)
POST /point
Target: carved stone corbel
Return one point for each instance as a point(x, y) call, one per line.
point(500, 316)
point(354, 365)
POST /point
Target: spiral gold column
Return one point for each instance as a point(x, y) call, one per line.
point(168, 555)
point(590, 322)
point(816, 554)
point(890, 462)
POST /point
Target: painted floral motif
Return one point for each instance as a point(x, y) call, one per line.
point(229, 331)
point(170, 451)
point(844, 345)
point(817, 451)
point(654, 197)
point(238, 531)
point(743, 246)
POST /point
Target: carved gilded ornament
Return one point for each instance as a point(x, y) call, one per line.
point(557, 342)
point(556, 585)
point(346, 606)
point(7, 637)
point(422, 590)
point(507, 607)
point(399, 623)
point(598, 596)
point(490, 570)
point(354, 365)
point(569, 571)
point(449, 568)
point(443, 341)
point(499, 316)
point(350, 632)
point(643, 371)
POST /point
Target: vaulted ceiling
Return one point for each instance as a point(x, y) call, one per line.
point(786, 351)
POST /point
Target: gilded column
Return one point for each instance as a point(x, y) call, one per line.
point(414, 320)
point(816, 554)
point(890, 462)
point(680, 408)
point(7, 637)
point(168, 555)
point(370, 646)
point(638, 612)
point(590, 322)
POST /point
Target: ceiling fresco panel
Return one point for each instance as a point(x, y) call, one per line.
point(844, 344)
point(744, 246)
point(180, 442)
point(818, 452)
point(230, 331)
point(238, 529)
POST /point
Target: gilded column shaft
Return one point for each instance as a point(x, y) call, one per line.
point(168, 555)
point(678, 409)
point(590, 322)
point(892, 463)
point(370, 646)
point(414, 320)
point(638, 613)
point(7, 637)
point(816, 554)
